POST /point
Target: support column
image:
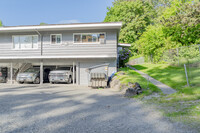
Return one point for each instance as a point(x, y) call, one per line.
point(77, 73)
point(41, 72)
point(73, 73)
point(11, 73)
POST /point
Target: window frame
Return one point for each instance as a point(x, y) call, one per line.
point(56, 39)
point(88, 42)
point(13, 45)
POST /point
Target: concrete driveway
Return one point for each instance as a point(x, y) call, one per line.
point(73, 109)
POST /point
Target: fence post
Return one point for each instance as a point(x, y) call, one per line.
point(151, 58)
point(186, 75)
point(148, 83)
point(178, 55)
point(199, 48)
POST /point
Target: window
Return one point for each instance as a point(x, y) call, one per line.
point(77, 38)
point(25, 42)
point(89, 38)
point(56, 38)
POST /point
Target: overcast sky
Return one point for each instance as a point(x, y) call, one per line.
point(33, 12)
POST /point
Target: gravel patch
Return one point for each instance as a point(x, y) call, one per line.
point(78, 109)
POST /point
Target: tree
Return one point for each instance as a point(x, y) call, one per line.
point(153, 42)
point(42, 23)
point(178, 26)
point(1, 24)
point(155, 3)
point(182, 22)
point(136, 16)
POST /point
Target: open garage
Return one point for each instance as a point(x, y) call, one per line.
point(37, 72)
point(67, 71)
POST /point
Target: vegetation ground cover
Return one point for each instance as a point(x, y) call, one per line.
point(184, 105)
point(132, 76)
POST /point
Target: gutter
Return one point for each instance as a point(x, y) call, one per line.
point(96, 66)
point(59, 57)
point(113, 25)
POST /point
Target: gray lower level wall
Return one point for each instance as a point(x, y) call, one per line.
point(84, 76)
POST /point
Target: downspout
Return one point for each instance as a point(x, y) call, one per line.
point(41, 61)
point(41, 42)
point(117, 50)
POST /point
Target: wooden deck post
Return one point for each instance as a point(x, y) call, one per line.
point(73, 74)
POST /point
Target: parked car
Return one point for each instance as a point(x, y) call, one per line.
point(3, 74)
point(31, 75)
point(61, 75)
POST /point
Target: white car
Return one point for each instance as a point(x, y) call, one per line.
point(61, 75)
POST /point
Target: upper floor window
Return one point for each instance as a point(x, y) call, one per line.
point(56, 38)
point(98, 38)
point(25, 42)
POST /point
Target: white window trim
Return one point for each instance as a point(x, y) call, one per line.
point(56, 39)
point(88, 42)
point(13, 47)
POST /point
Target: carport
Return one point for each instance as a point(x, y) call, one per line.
point(16, 66)
point(56, 63)
point(79, 66)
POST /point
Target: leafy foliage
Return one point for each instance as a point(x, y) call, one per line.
point(1, 24)
point(42, 23)
point(155, 3)
point(152, 42)
point(182, 22)
point(124, 56)
point(136, 16)
point(182, 55)
point(189, 52)
point(178, 26)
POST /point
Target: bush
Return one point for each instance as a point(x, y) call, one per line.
point(153, 43)
point(125, 53)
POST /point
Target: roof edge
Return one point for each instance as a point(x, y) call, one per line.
point(115, 25)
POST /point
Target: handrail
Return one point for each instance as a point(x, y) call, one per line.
point(93, 67)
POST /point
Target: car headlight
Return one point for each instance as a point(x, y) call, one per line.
point(31, 75)
point(66, 73)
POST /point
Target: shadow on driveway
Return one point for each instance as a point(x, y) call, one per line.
point(61, 108)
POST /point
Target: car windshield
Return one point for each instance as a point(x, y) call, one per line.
point(63, 68)
point(33, 70)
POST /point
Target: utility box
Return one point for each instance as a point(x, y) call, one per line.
point(98, 80)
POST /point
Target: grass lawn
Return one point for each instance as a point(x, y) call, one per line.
point(183, 105)
point(175, 78)
point(132, 76)
point(171, 75)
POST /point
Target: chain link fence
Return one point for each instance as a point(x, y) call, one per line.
point(136, 61)
point(187, 58)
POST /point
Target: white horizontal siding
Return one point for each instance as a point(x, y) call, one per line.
point(66, 49)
